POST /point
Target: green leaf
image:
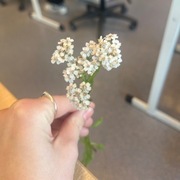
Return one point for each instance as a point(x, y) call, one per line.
point(90, 148)
point(97, 123)
point(98, 146)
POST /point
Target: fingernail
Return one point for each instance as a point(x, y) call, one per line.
point(87, 114)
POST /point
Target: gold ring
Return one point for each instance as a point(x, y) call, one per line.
point(46, 94)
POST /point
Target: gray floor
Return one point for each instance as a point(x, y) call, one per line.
point(138, 147)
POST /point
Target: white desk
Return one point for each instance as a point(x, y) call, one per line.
point(165, 56)
point(37, 15)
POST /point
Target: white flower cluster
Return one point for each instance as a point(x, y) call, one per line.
point(105, 52)
point(88, 59)
point(71, 73)
point(64, 51)
point(79, 96)
point(109, 51)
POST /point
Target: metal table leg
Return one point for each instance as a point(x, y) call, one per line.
point(163, 64)
point(37, 15)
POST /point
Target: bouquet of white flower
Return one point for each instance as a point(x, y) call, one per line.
point(105, 53)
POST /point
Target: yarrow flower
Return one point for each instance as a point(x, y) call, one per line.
point(106, 53)
point(81, 71)
point(79, 96)
point(87, 66)
point(109, 52)
point(71, 73)
point(64, 51)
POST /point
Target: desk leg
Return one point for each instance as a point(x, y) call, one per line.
point(163, 64)
point(37, 15)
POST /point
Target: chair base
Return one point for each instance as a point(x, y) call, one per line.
point(117, 11)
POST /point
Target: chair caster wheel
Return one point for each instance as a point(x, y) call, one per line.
point(73, 27)
point(133, 25)
point(61, 27)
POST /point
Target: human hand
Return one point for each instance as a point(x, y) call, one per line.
point(37, 146)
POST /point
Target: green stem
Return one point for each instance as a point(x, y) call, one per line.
point(88, 151)
point(89, 147)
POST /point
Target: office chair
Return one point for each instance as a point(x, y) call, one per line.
point(102, 11)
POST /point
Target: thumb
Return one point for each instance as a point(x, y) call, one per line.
point(70, 129)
